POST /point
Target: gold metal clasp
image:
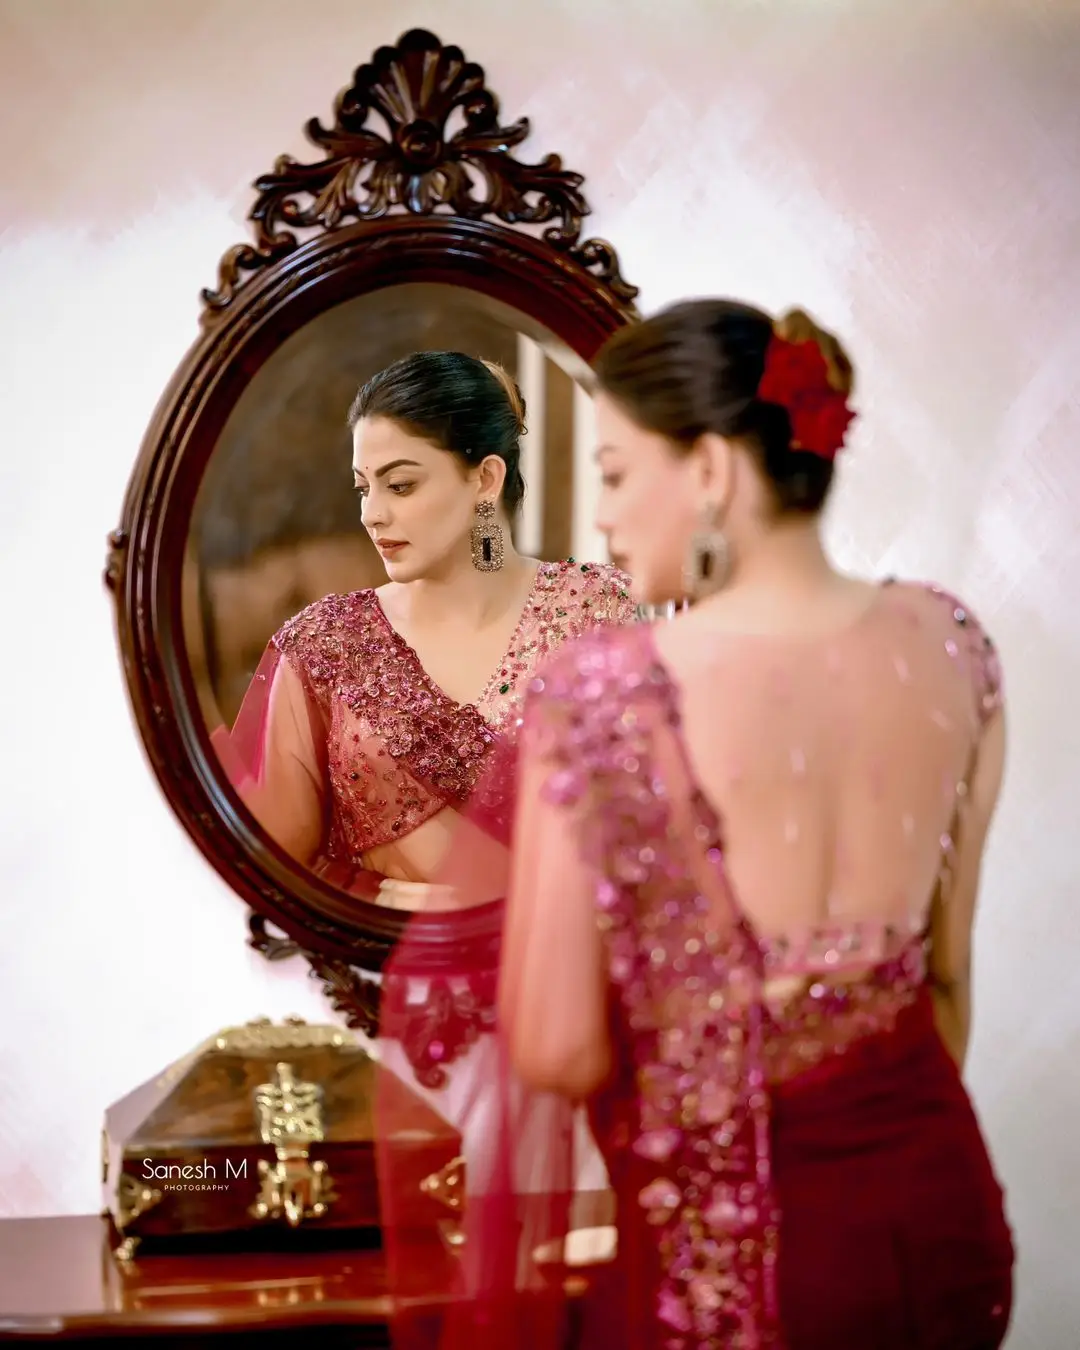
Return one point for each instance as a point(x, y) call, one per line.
point(134, 1200)
point(290, 1120)
point(447, 1186)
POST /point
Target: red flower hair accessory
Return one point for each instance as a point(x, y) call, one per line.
point(797, 378)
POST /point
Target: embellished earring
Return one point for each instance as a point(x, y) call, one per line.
point(486, 539)
point(708, 560)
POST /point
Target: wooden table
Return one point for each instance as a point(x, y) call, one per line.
point(59, 1281)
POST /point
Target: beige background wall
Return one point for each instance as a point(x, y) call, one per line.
point(909, 171)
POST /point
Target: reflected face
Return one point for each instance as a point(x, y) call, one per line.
point(650, 503)
point(418, 502)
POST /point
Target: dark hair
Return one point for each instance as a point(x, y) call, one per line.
point(696, 366)
point(469, 407)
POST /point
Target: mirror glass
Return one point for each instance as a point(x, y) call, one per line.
point(277, 522)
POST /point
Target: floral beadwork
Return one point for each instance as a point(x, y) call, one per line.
point(604, 715)
point(397, 749)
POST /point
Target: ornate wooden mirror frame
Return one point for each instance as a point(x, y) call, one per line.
point(413, 202)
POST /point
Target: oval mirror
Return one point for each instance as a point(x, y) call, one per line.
point(418, 229)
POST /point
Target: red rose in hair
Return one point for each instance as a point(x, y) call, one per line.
point(797, 378)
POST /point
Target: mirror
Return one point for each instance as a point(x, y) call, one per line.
point(417, 229)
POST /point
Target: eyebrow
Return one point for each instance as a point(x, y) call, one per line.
point(602, 450)
point(386, 468)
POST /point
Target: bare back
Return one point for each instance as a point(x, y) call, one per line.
point(836, 763)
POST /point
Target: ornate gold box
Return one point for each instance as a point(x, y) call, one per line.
point(263, 1137)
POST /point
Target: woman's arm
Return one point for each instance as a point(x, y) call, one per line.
point(953, 913)
point(553, 980)
point(278, 775)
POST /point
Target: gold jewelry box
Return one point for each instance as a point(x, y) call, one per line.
point(263, 1138)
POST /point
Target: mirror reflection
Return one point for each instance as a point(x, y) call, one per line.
point(393, 533)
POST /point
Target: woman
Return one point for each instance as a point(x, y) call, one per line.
point(744, 875)
point(372, 714)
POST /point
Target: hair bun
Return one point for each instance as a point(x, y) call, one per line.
point(797, 326)
point(512, 392)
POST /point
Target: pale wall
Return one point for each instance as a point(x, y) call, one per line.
point(913, 179)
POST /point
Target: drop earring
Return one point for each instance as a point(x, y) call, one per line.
point(708, 561)
point(486, 539)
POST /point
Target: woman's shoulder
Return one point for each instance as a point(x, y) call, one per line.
point(593, 577)
point(920, 597)
point(597, 593)
point(604, 663)
point(937, 614)
point(328, 618)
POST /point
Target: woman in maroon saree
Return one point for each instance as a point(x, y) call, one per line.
point(741, 896)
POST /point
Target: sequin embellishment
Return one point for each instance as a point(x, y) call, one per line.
point(397, 748)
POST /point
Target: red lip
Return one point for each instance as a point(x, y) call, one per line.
point(389, 545)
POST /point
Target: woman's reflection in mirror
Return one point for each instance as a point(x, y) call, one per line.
point(373, 714)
